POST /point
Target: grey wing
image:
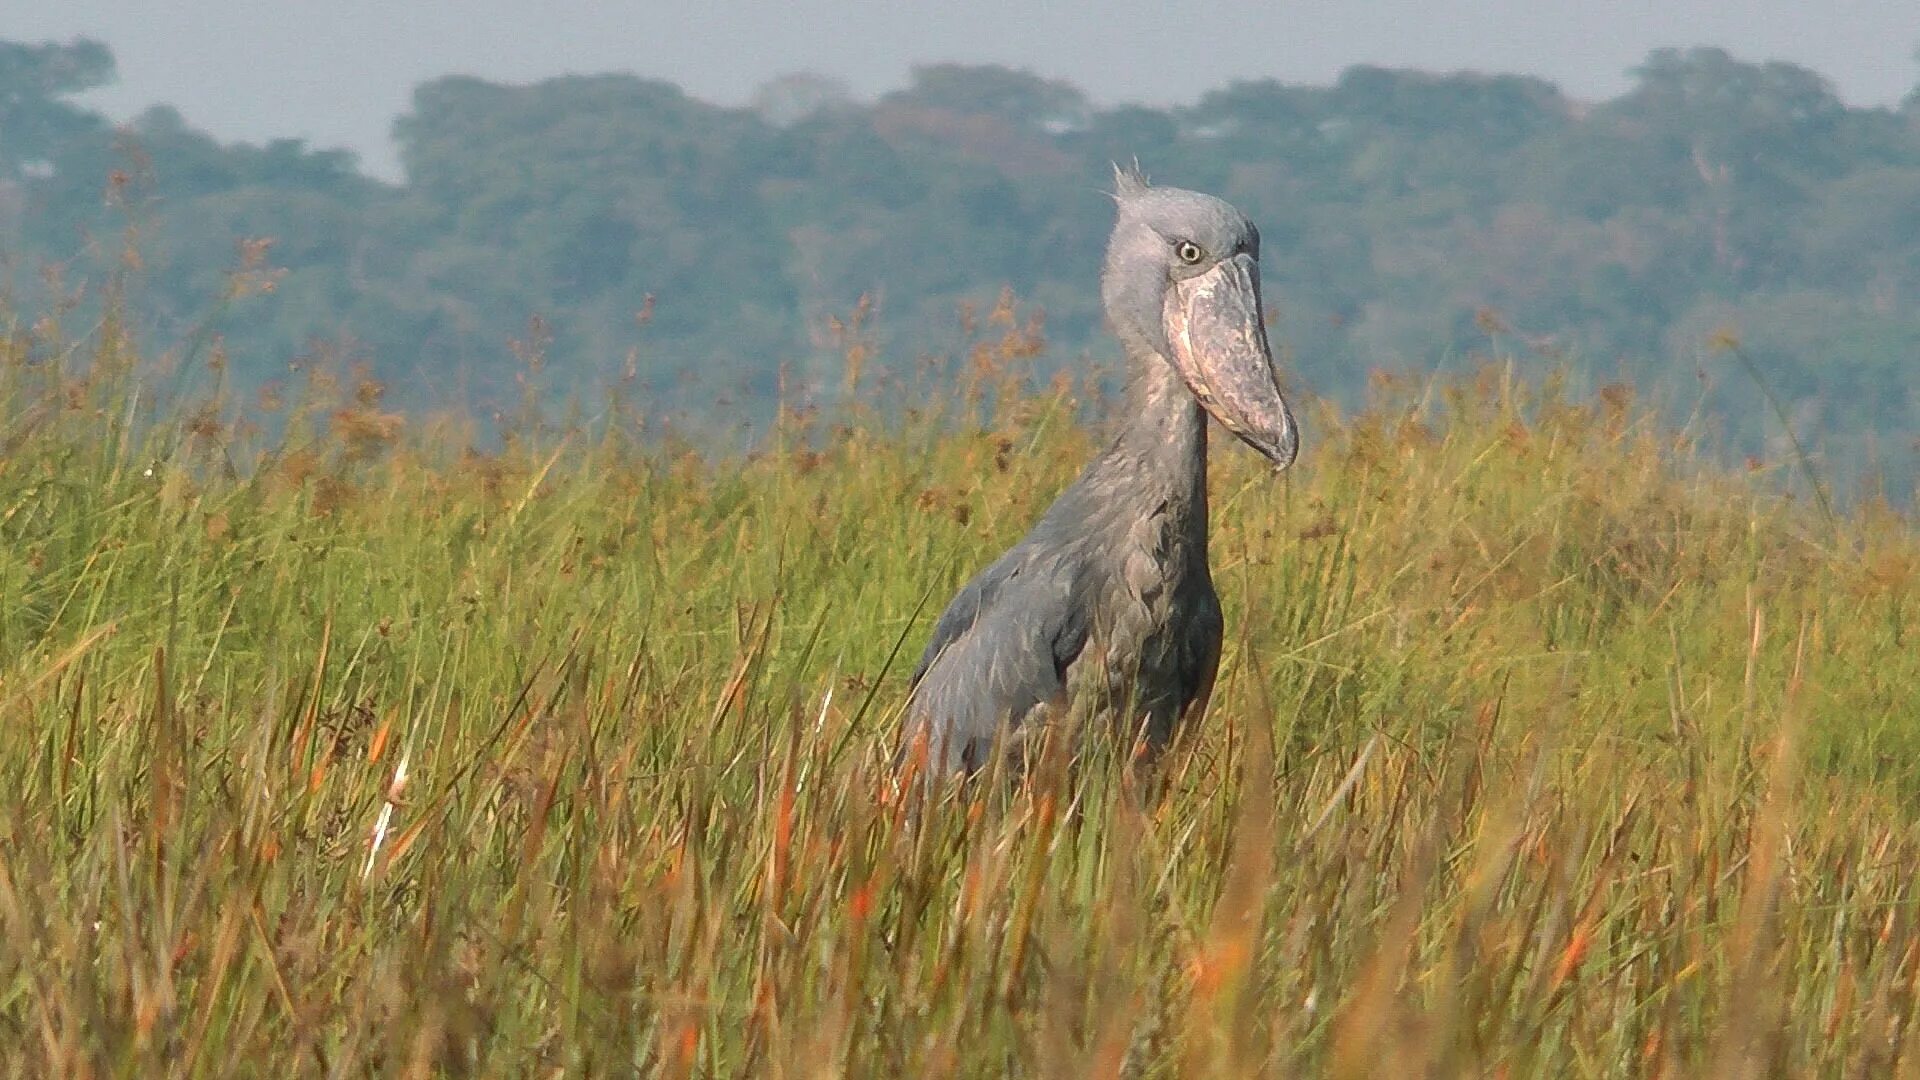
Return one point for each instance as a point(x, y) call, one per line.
point(1001, 648)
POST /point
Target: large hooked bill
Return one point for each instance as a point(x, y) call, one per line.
point(1220, 348)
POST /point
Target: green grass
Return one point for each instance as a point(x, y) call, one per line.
point(1540, 749)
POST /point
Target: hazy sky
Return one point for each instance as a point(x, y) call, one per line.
point(338, 72)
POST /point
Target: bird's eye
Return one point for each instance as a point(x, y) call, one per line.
point(1188, 251)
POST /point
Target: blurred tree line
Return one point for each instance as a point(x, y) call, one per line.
point(1409, 220)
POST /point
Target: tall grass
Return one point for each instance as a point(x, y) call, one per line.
point(1539, 750)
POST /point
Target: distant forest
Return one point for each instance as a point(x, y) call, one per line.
point(1410, 221)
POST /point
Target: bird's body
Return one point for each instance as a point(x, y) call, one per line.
point(1109, 597)
point(1108, 601)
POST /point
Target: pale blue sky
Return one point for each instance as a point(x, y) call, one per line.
point(337, 73)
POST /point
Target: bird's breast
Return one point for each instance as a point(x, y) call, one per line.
point(1159, 587)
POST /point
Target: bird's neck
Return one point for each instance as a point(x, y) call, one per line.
point(1163, 439)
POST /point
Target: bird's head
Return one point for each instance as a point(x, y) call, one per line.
point(1182, 281)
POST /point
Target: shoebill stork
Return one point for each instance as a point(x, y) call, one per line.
point(1108, 601)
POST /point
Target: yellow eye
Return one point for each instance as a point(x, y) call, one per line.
point(1189, 252)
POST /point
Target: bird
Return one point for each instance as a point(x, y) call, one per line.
point(1109, 600)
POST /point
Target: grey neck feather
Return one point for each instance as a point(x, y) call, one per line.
point(1157, 462)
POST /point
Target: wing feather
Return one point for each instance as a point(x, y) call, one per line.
point(1001, 648)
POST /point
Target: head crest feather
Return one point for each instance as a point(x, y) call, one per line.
point(1128, 181)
